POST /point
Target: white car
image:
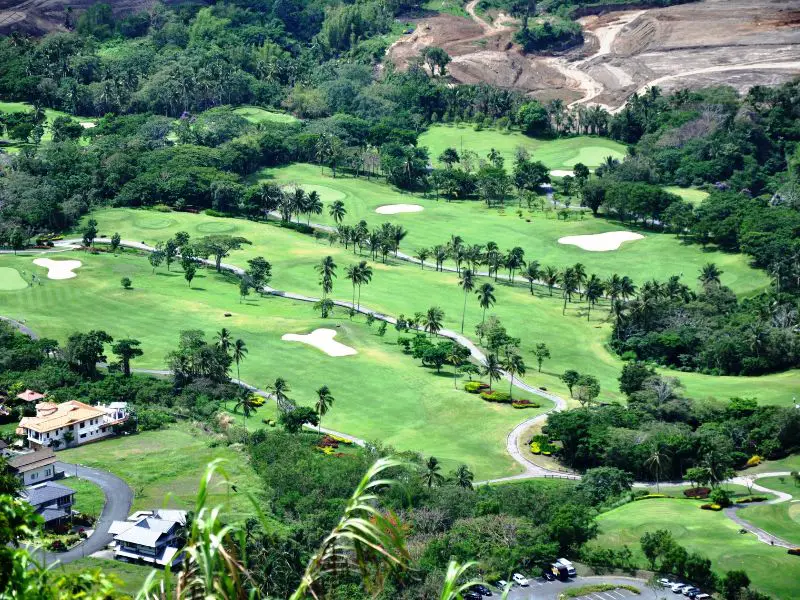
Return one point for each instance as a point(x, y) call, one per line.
point(666, 583)
point(678, 588)
point(502, 584)
point(520, 580)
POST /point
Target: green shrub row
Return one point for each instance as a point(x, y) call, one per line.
point(496, 396)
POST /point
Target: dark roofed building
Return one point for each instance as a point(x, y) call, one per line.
point(51, 500)
point(33, 467)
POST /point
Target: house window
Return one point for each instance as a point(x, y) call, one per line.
point(83, 435)
point(83, 424)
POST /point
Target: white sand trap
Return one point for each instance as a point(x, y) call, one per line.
point(58, 269)
point(601, 242)
point(561, 173)
point(88, 124)
point(322, 339)
point(393, 209)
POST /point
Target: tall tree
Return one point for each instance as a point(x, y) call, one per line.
point(466, 282)
point(541, 352)
point(486, 298)
point(337, 211)
point(709, 275)
point(327, 272)
point(463, 477)
point(324, 402)
point(431, 474)
point(593, 292)
point(514, 365)
point(432, 320)
point(492, 369)
point(279, 391)
point(248, 402)
point(223, 339)
point(239, 354)
point(127, 350)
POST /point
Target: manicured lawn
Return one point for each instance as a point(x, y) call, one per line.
point(658, 255)
point(256, 114)
point(781, 519)
point(790, 463)
point(381, 393)
point(691, 195)
point(712, 534)
point(131, 576)
point(562, 153)
point(89, 498)
point(10, 279)
point(781, 484)
point(164, 468)
point(400, 287)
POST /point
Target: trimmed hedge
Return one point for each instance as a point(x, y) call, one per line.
point(752, 499)
point(525, 404)
point(496, 396)
point(475, 387)
point(715, 507)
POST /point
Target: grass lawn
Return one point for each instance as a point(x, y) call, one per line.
point(381, 393)
point(658, 255)
point(691, 195)
point(781, 519)
point(11, 279)
point(781, 484)
point(712, 534)
point(89, 498)
point(164, 468)
point(132, 576)
point(50, 114)
point(400, 287)
point(452, 7)
point(790, 463)
point(256, 114)
point(562, 153)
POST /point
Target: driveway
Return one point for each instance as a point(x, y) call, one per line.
point(119, 498)
point(551, 590)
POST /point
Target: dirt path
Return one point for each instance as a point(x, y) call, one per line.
point(501, 24)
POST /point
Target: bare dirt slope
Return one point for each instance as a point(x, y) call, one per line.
point(735, 42)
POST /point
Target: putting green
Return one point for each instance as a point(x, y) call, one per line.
point(10, 279)
point(153, 222)
point(217, 227)
point(711, 534)
point(561, 153)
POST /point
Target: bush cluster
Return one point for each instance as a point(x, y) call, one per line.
point(496, 396)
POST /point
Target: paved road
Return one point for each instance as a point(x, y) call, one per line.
point(119, 498)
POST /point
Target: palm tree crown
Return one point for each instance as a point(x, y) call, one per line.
point(486, 298)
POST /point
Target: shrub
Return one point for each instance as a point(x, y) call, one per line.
point(721, 497)
point(215, 213)
point(536, 448)
point(698, 492)
point(474, 387)
point(749, 499)
point(794, 551)
point(126, 283)
point(753, 461)
point(496, 396)
point(710, 507)
point(525, 404)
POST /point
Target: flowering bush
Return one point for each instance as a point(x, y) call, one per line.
point(474, 387)
point(525, 404)
point(710, 507)
point(753, 461)
point(536, 448)
point(698, 492)
point(496, 396)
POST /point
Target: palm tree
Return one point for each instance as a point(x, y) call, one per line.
point(239, 354)
point(486, 298)
point(223, 339)
point(279, 389)
point(353, 274)
point(569, 286)
point(440, 254)
point(657, 460)
point(365, 276)
point(492, 369)
point(515, 260)
point(709, 274)
point(327, 271)
point(432, 474)
point(422, 255)
point(593, 291)
point(514, 365)
point(313, 205)
point(613, 286)
point(432, 320)
point(454, 357)
point(248, 402)
point(337, 211)
point(627, 289)
point(580, 277)
point(463, 477)
point(533, 273)
point(466, 282)
point(550, 276)
point(324, 402)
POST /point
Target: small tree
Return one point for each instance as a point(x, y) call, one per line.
point(294, 420)
point(189, 273)
point(570, 377)
point(126, 283)
point(382, 329)
point(89, 233)
point(244, 289)
point(115, 242)
point(588, 389)
point(156, 258)
point(542, 352)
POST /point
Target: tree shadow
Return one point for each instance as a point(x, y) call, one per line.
point(167, 274)
point(197, 289)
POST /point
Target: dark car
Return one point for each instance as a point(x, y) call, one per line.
point(481, 589)
point(472, 596)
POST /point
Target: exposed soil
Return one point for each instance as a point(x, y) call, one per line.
point(735, 42)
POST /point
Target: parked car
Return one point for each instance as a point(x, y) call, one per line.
point(690, 591)
point(666, 582)
point(501, 584)
point(520, 579)
point(702, 597)
point(472, 596)
point(481, 589)
point(677, 588)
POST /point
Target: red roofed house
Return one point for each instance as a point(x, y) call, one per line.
point(71, 423)
point(30, 396)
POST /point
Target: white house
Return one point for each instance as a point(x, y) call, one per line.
point(152, 537)
point(33, 467)
point(71, 423)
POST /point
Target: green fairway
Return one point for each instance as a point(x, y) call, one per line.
point(255, 114)
point(50, 115)
point(711, 534)
point(691, 195)
point(658, 255)
point(562, 153)
point(404, 288)
point(10, 279)
point(790, 463)
point(782, 520)
point(781, 484)
point(89, 498)
point(164, 468)
point(381, 393)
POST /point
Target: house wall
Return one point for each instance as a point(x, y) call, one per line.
point(82, 433)
point(37, 475)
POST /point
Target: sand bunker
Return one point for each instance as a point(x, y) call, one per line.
point(601, 242)
point(393, 209)
point(58, 269)
point(322, 339)
point(88, 124)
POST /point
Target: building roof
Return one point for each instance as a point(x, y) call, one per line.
point(53, 514)
point(148, 529)
point(62, 415)
point(22, 463)
point(3, 445)
point(30, 396)
point(43, 493)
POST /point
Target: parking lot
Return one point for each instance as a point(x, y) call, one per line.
point(539, 589)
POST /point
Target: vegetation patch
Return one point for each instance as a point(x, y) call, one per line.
point(583, 590)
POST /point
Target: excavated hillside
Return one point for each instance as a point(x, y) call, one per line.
point(736, 42)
